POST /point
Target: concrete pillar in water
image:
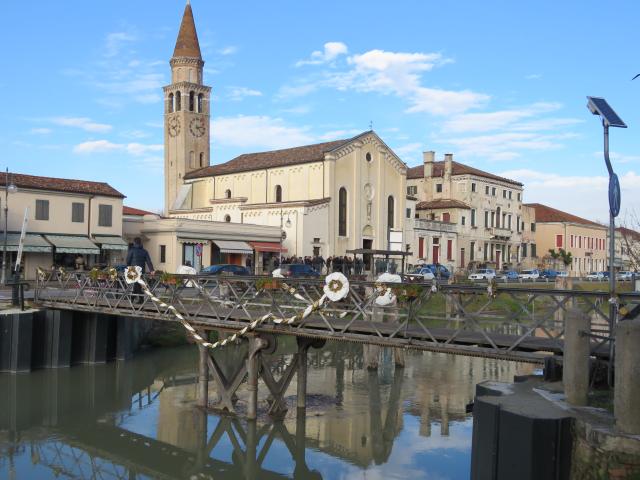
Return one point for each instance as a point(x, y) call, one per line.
point(16, 331)
point(372, 352)
point(575, 374)
point(124, 338)
point(255, 344)
point(301, 395)
point(627, 370)
point(203, 378)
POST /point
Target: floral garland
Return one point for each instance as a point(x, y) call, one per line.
point(386, 296)
point(336, 288)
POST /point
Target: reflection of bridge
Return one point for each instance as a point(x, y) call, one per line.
point(507, 322)
point(58, 428)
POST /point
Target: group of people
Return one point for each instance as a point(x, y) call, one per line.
point(346, 265)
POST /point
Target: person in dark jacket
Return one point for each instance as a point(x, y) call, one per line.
point(138, 257)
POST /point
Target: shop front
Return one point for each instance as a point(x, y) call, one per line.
point(267, 255)
point(113, 250)
point(36, 252)
point(74, 252)
point(232, 252)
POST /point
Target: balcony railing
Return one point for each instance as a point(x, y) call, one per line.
point(435, 225)
point(501, 232)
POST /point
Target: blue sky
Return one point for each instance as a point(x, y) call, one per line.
point(499, 84)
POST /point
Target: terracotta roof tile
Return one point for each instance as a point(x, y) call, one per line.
point(135, 211)
point(627, 232)
point(545, 214)
point(187, 44)
point(274, 158)
point(457, 169)
point(62, 185)
point(441, 203)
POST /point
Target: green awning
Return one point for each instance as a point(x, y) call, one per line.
point(72, 244)
point(32, 243)
point(110, 243)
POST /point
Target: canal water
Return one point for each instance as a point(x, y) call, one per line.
point(137, 419)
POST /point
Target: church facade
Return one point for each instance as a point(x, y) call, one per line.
point(327, 198)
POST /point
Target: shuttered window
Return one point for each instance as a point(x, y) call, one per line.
point(105, 215)
point(77, 212)
point(42, 209)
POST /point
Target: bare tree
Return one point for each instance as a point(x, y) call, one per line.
point(629, 235)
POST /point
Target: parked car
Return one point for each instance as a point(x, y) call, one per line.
point(440, 271)
point(624, 276)
point(549, 274)
point(225, 269)
point(529, 274)
point(422, 273)
point(298, 270)
point(563, 274)
point(509, 275)
point(595, 276)
point(483, 274)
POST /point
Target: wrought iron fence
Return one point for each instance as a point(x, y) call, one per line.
point(501, 321)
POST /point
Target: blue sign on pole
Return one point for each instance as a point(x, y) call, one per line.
point(614, 195)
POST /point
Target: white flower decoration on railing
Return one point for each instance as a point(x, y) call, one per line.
point(385, 294)
point(277, 273)
point(336, 287)
point(132, 274)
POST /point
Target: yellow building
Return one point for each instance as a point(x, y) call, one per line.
point(328, 197)
point(584, 239)
point(69, 223)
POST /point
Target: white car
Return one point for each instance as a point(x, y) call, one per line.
point(529, 274)
point(624, 276)
point(595, 276)
point(483, 274)
point(421, 273)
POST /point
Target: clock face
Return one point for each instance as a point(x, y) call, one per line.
point(173, 126)
point(197, 127)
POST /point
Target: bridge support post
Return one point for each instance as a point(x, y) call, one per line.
point(301, 393)
point(15, 342)
point(575, 374)
point(372, 352)
point(627, 369)
point(253, 368)
point(124, 339)
point(203, 378)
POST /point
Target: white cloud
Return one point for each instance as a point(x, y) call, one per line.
point(533, 76)
point(258, 131)
point(583, 195)
point(332, 50)
point(82, 123)
point(229, 50)
point(488, 121)
point(115, 42)
point(409, 149)
point(507, 145)
point(105, 146)
point(617, 157)
point(339, 134)
point(41, 131)
point(239, 93)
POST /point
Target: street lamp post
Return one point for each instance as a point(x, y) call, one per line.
point(282, 233)
point(599, 106)
point(9, 187)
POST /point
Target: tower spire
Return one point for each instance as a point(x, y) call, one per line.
point(187, 44)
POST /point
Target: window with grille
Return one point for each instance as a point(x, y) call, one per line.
point(342, 212)
point(77, 212)
point(163, 253)
point(105, 214)
point(42, 209)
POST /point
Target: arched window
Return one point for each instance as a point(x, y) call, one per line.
point(278, 193)
point(390, 211)
point(200, 102)
point(227, 218)
point(170, 103)
point(342, 212)
point(201, 159)
point(192, 100)
point(178, 101)
point(227, 193)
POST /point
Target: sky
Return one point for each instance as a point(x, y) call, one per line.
point(502, 85)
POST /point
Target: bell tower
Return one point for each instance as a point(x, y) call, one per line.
point(186, 112)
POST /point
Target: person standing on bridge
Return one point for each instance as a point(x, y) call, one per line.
point(139, 257)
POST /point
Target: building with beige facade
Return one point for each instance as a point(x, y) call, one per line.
point(584, 239)
point(328, 197)
point(466, 217)
point(69, 223)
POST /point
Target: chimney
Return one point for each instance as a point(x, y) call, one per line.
point(427, 158)
point(448, 164)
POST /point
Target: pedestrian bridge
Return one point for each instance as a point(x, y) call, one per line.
point(510, 322)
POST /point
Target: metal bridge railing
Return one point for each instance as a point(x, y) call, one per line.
point(501, 321)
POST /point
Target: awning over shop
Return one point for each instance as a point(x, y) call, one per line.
point(110, 243)
point(267, 247)
point(32, 243)
point(203, 241)
point(230, 246)
point(72, 244)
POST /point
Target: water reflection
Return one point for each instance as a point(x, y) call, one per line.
point(137, 420)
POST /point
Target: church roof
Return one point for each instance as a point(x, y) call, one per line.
point(187, 44)
point(457, 169)
point(274, 158)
